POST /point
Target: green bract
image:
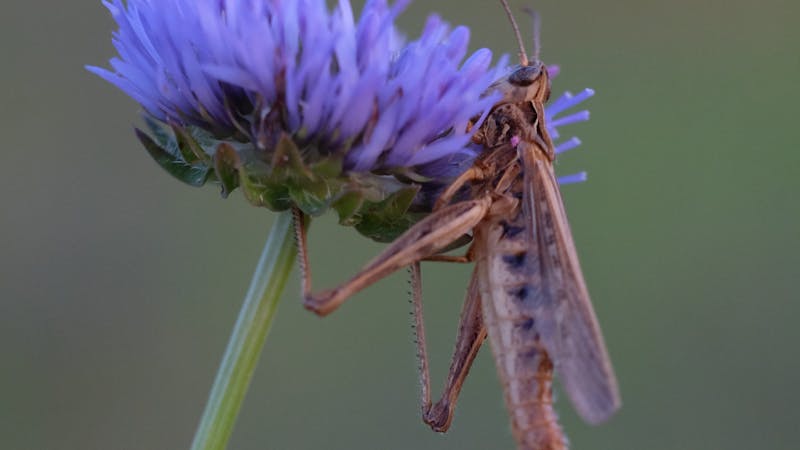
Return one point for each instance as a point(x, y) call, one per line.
point(379, 206)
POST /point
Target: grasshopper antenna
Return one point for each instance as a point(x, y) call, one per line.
point(523, 55)
point(537, 32)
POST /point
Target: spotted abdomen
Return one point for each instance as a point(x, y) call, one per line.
point(511, 293)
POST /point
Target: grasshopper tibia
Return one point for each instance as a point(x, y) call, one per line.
point(471, 334)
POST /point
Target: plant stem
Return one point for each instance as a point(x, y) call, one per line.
point(248, 338)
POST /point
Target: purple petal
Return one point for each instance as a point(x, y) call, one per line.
point(567, 145)
point(579, 177)
point(581, 116)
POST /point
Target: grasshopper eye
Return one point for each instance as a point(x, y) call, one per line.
point(525, 75)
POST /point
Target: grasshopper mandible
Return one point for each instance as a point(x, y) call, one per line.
point(527, 291)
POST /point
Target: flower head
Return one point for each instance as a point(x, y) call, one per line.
point(236, 88)
point(256, 66)
point(302, 106)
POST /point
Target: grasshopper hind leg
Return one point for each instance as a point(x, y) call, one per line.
point(426, 238)
point(471, 334)
point(301, 240)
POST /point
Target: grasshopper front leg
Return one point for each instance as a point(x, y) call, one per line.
point(424, 239)
point(471, 334)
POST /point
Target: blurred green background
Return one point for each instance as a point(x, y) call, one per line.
point(119, 286)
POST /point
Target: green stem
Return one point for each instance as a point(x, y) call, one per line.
point(248, 338)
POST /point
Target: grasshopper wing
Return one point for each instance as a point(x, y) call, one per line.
point(568, 326)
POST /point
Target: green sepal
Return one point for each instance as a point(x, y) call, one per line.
point(312, 198)
point(386, 220)
point(329, 167)
point(347, 206)
point(205, 140)
point(190, 149)
point(170, 159)
point(162, 137)
point(261, 192)
point(226, 161)
point(287, 161)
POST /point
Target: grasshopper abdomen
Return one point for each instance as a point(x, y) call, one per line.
point(509, 282)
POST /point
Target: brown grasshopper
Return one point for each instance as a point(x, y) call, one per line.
point(527, 291)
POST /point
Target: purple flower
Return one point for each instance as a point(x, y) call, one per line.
point(553, 111)
point(254, 67)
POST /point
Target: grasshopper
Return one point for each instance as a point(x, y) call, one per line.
point(527, 291)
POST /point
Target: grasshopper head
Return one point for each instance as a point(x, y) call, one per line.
point(529, 81)
point(526, 83)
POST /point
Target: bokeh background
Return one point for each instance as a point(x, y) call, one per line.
point(119, 286)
